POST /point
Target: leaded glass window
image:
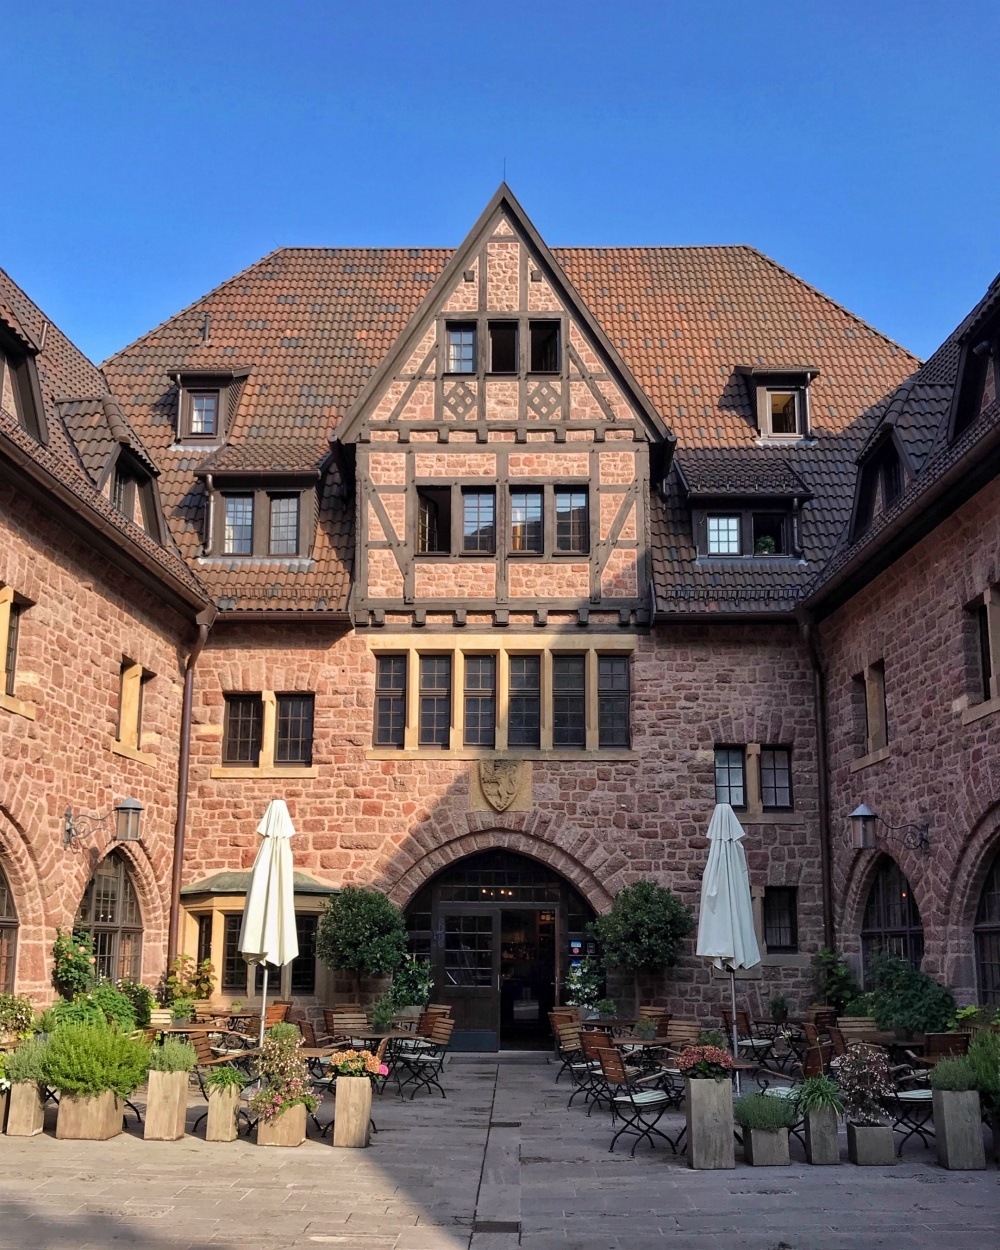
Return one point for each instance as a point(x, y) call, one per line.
point(480, 700)
point(524, 702)
point(283, 539)
point(730, 776)
point(238, 540)
point(892, 921)
point(987, 938)
point(110, 914)
point(572, 521)
point(435, 701)
point(8, 936)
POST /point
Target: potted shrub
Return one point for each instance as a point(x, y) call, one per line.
point(606, 1009)
point(779, 1009)
point(382, 1014)
point(182, 1010)
point(73, 963)
point(984, 1059)
point(285, 1095)
point(25, 1070)
point(708, 1106)
point(833, 982)
point(765, 1121)
point(362, 932)
point(864, 1079)
point(224, 1085)
point(958, 1127)
point(818, 1102)
point(907, 1001)
point(16, 1016)
point(142, 998)
point(167, 1090)
point(582, 987)
point(93, 1069)
point(352, 1118)
point(644, 930)
point(412, 985)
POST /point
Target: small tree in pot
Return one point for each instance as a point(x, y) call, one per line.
point(645, 929)
point(94, 1069)
point(285, 1095)
point(865, 1081)
point(906, 1000)
point(362, 932)
point(958, 1129)
point(765, 1121)
point(170, 1066)
point(833, 982)
point(24, 1068)
point(708, 1102)
point(818, 1102)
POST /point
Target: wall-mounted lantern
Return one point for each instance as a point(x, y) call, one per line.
point(865, 835)
point(126, 813)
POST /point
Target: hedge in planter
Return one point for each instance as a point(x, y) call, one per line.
point(25, 1070)
point(285, 1095)
point(984, 1059)
point(865, 1080)
point(94, 1069)
point(958, 1127)
point(765, 1120)
point(167, 1090)
point(818, 1102)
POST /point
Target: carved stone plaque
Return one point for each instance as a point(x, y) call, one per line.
point(501, 785)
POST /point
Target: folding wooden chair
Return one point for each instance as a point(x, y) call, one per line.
point(637, 1101)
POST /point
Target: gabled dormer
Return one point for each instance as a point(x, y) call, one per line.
point(258, 506)
point(503, 449)
point(976, 388)
point(779, 400)
point(20, 392)
point(207, 400)
point(883, 472)
point(133, 492)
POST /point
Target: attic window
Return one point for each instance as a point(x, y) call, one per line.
point(133, 495)
point(880, 485)
point(261, 521)
point(503, 346)
point(19, 393)
point(780, 396)
point(204, 413)
point(977, 388)
point(782, 412)
point(723, 535)
point(744, 533)
point(544, 336)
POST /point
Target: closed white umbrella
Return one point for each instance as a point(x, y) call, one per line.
point(268, 935)
point(726, 932)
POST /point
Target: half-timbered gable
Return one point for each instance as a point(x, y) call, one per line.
point(503, 450)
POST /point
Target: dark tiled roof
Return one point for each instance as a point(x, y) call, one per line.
point(229, 882)
point(756, 471)
point(281, 455)
point(313, 324)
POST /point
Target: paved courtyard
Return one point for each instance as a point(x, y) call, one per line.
point(501, 1153)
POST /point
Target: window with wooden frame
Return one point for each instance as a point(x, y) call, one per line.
point(132, 682)
point(303, 978)
point(20, 392)
point(744, 532)
point(293, 743)
point(891, 923)
point(527, 531)
point(110, 913)
point(204, 943)
point(880, 484)
point(983, 624)
point(201, 414)
point(977, 386)
point(478, 521)
point(270, 731)
point(986, 934)
point(613, 701)
point(572, 520)
point(544, 354)
point(238, 536)
point(730, 776)
point(8, 935)
point(243, 728)
point(283, 527)
point(460, 347)
point(723, 530)
point(435, 701)
point(524, 701)
point(876, 719)
point(433, 520)
point(390, 701)
point(13, 610)
point(264, 521)
point(776, 778)
point(233, 978)
point(783, 413)
point(569, 701)
point(503, 347)
point(781, 922)
point(480, 700)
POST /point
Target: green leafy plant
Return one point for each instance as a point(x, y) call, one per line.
point(16, 1015)
point(383, 1012)
point(645, 928)
point(968, 1019)
point(412, 983)
point(818, 1093)
point(705, 1063)
point(283, 1074)
point(182, 1010)
point(117, 1007)
point(363, 932)
point(865, 1080)
point(765, 545)
point(186, 979)
point(768, 1114)
point(954, 1073)
point(4, 1082)
point(73, 963)
point(832, 980)
point(173, 1056)
point(27, 1062)
point(605, 1008)
point(81, 1059)
point(81, 1010)
point(142, 998)
point(862, 1005)
point(713, 1037)
point(583, 984)
point(779, 1009)
point(984, 1059)
point(225, 1076)
point(904, 998)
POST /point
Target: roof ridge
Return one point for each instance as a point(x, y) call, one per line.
point(828, 299)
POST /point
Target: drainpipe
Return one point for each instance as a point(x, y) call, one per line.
point(825, 843)
point(205, 620)
point(209, 516)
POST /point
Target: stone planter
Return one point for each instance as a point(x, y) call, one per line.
point(870, 1145)
point(287, 1128)
point(822, 1137)
point(765, 1148)
point(25, 1109)
point(352, 1115)
point(709, 1112)
point(4, 1098)
point(89, 1117)
point(958, 1130)
point(166, 1106)
point(223, 1105)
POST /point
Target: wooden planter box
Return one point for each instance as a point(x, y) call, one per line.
point(89, 1117)
point(763, 1148)
point(870, 1145)
point(958, 1130)
point(822, 1138)
point(25, 1109)
point(4, 1098)
point(287, 1128)
point(353, 1111)
point(166, 1106)
point(223, 1105)
point(709, 1111)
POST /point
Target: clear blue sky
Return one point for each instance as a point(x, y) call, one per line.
point(154, 149)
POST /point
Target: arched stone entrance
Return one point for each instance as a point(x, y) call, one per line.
point(499, 929)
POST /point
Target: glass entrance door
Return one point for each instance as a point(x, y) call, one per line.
point(468, 974)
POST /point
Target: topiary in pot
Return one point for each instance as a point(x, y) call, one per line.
point(765, 1120)
point(382, 1014)
point(93, 1069)
point(818, 1102)
point(362, 932)
point(645, 928)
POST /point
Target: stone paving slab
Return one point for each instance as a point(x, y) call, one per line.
point(500, 1164)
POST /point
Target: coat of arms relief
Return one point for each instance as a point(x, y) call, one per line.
point(501, 781)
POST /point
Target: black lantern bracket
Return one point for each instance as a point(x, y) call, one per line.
point(126, 815)
point(866, 835)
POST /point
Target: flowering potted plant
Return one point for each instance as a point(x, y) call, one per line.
point(865, 1080)
point(708, 1106)
point(354, 1070)
point(582, 987)
point(285, 1095)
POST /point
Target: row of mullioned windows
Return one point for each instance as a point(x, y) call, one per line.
point(568, 691)
point(502, 348)
point(568, 507)
point(775, 777)
point(243, 738)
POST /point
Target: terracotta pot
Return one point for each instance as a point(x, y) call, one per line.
point(709, 1112)
point(166, 1106)
point(352, 1115)
point(287, 1128)
point(25, 1109)
point(223, 1105)
point(89, 1117)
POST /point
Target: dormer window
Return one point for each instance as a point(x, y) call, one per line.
point(724, 535)
point(744, 533)
point(880, 484)
point(977, 386)
point(261, 521)
point(204, 414)
point(133, 494)
point(782, 411)
point(238, 537)
point(20, 395)
point(207, 400)
point(779, 396)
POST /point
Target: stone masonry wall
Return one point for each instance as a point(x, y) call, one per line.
point(939, 769)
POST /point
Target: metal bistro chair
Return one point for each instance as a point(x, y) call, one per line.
point(424, 1066)
point(635, 1100)
point(580, 1068)
point(594, 1085)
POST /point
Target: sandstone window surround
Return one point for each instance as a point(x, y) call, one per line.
point(13, 609)
point(502, 346)
point(267, 735)
point(132, 684)
point(212, 928)
point(8, 935)
point(983, 620)
point(756, 781)
point(565, 699)
point(872, 716)
point(776, 924)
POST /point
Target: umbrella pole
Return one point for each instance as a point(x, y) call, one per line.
point(263, 1008)
point(736, 1036)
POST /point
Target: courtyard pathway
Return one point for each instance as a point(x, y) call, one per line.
point(501, 1163)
